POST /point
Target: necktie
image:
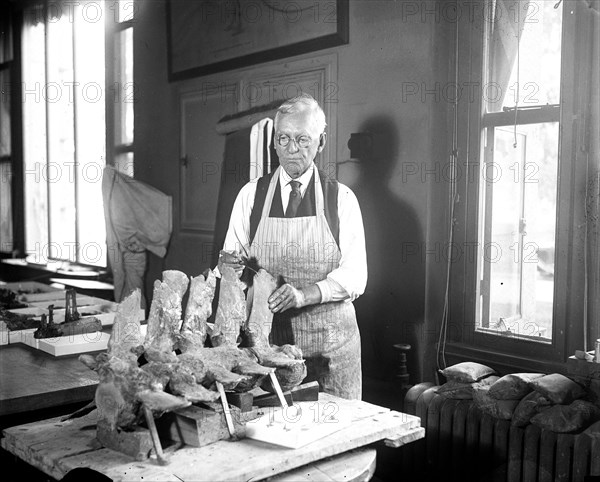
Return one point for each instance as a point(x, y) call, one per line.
point(294, 201)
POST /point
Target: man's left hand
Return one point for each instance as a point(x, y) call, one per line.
point(286, 297)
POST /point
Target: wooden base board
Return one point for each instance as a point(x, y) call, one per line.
point(69, 345)
point(299, 424)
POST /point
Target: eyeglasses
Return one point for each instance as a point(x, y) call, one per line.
point(301, 141)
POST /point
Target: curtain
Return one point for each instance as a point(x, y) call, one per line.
point(507, 25)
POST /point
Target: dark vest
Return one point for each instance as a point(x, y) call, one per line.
point(306, 208)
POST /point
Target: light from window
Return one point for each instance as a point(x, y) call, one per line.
point(34, 136)
point(124, 163)
point(64, 138)
point(90, 141)
point(124, 85)
point(123, 10)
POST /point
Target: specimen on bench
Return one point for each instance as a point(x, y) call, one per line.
point(171, 367)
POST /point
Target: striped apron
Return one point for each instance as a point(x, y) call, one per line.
point(303, 250)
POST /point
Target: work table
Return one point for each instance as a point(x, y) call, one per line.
point(57, 447)
point(32, 380)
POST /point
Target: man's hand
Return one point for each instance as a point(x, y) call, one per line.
point(286, 297)
point(231, 259)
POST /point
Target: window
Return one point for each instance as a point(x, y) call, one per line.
point(121, 102)
point(518, 195)
point(77, 84)
point(64, 133)
point(6, 180)
point(519, 299)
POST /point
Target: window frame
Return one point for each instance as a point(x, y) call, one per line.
point(114, 103)
point(464, 342)
point(13, 67)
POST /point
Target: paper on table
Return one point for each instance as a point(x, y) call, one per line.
point(298, 424)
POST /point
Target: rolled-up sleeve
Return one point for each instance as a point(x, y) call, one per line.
point(349, 279)
point(238, 233)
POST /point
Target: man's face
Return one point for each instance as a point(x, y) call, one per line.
point(293, 158)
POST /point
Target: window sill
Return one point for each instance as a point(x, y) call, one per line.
point(15, 269)
point(500, 361)
point(514, 335)
point(86, 280)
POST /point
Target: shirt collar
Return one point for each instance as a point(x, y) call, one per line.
point(304, 179)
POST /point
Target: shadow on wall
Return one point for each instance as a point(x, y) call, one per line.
point(392, 307)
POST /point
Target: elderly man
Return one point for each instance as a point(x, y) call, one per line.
point(308, 229)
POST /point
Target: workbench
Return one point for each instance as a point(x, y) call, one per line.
point(56, 448)
point(32, 380)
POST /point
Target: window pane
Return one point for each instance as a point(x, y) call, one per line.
point(34, 142)
point(124, 10)
point(525, 72)
point(61, 142)
point(520, 222)
point(6, 33)
point(124, 88)
point(124, 163)
point(6, 225)
point(90, 141)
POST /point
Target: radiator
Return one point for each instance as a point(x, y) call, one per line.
point(463, 443)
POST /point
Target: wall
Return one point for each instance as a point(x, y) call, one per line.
point(403, 207)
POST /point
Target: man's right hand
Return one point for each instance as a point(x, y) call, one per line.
point(231, 259)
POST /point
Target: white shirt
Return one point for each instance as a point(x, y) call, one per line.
point(348, 280)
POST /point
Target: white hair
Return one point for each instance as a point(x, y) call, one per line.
point(299, 103)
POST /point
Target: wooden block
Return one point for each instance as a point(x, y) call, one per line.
point(243, 401)
point(307, 392)
point(271, 400)
point(136, 443)
point(198, 426)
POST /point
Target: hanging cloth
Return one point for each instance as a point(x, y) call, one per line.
point(260, 140)
point(138, 218)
